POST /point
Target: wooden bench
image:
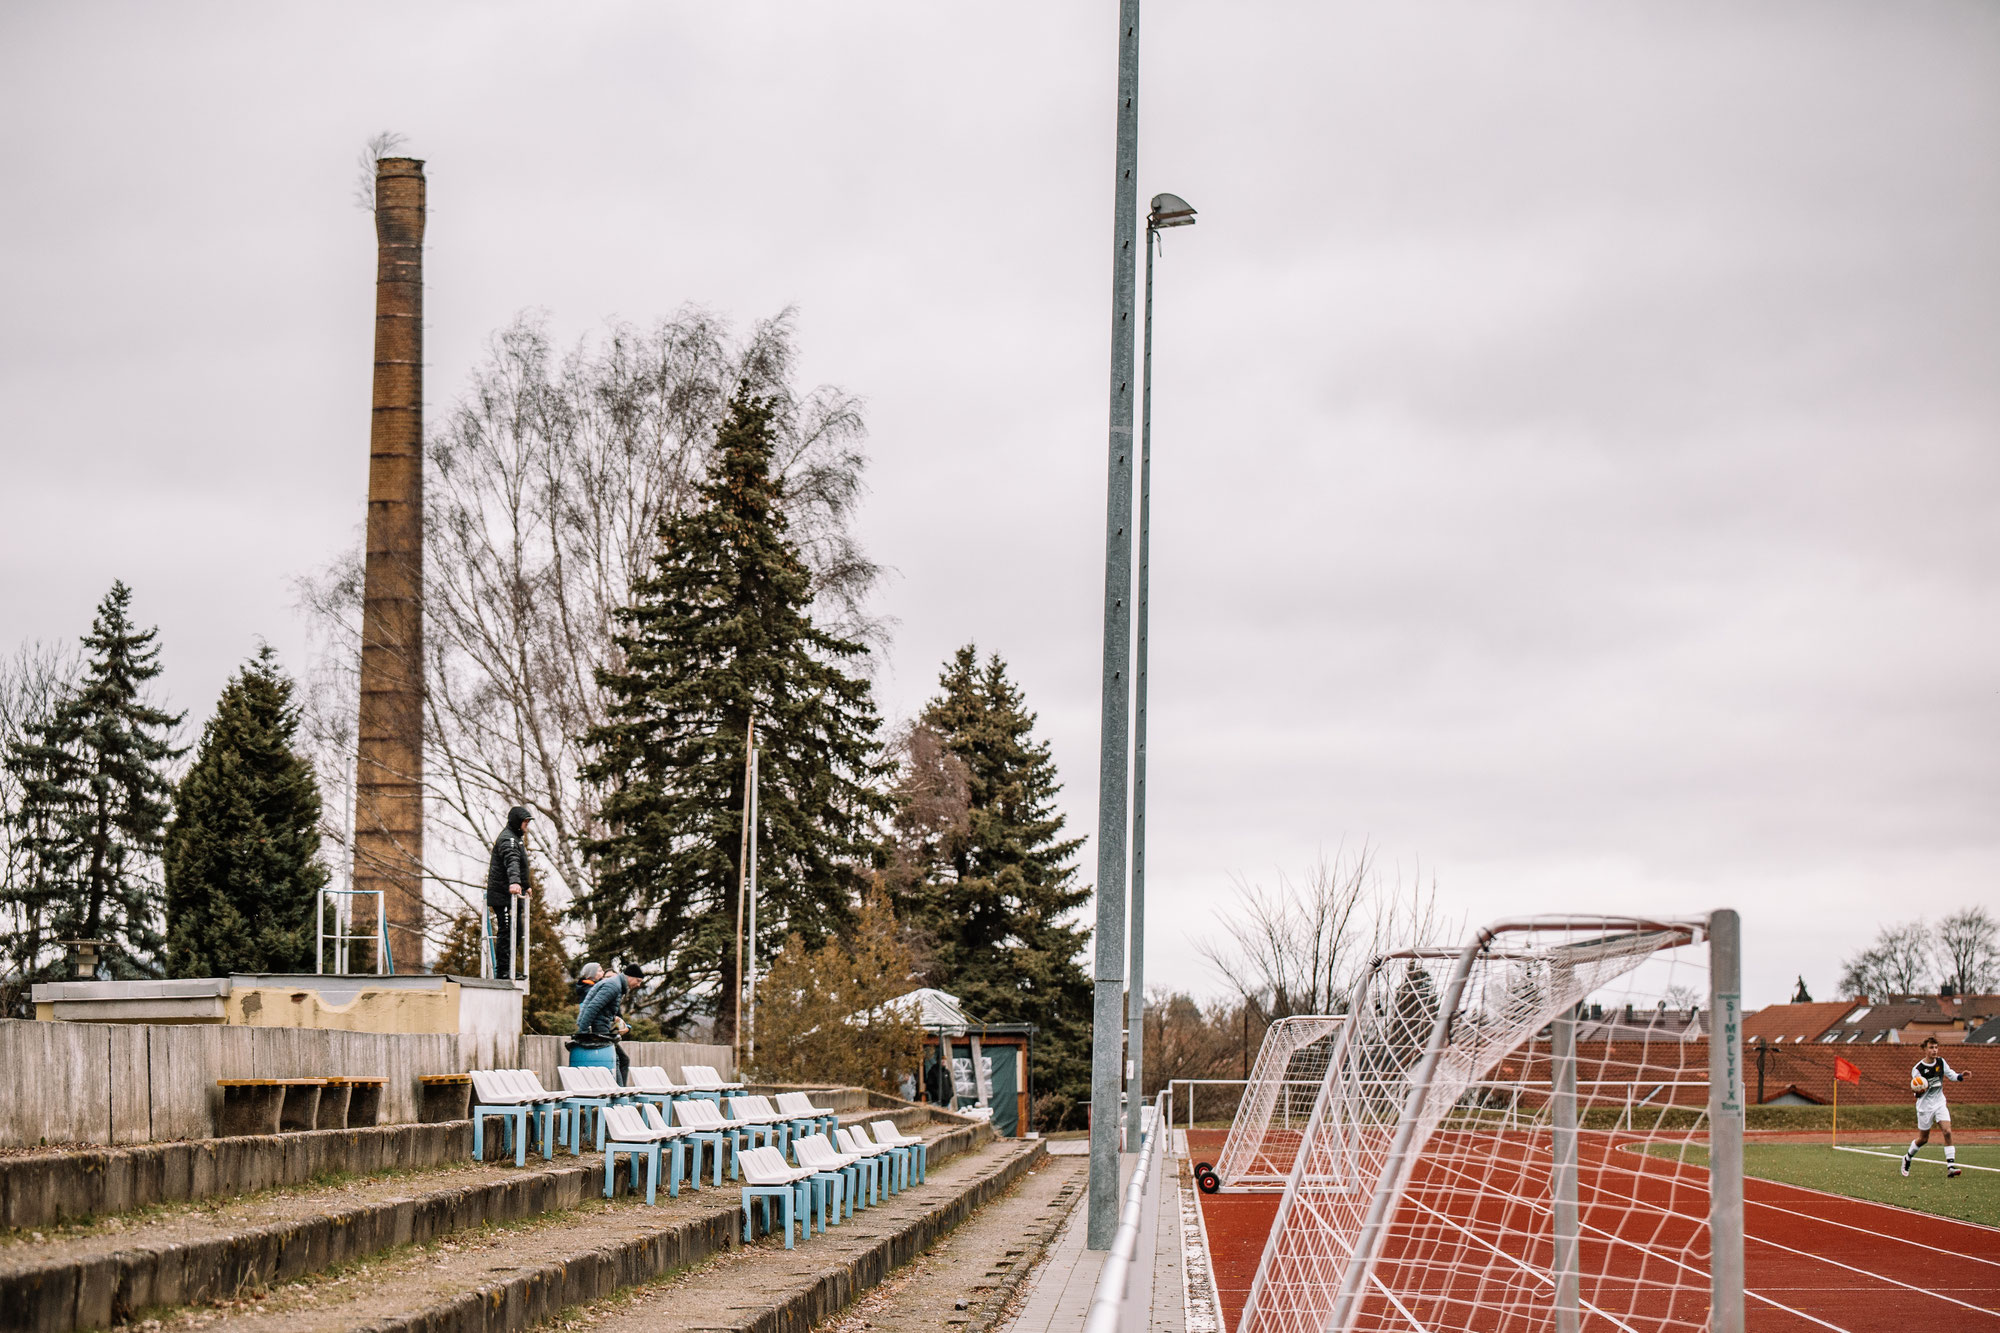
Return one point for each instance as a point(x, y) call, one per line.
point(267, 1105)
point(351, 1103)
point(444, 1097)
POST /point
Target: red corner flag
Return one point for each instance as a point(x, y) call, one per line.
point(1846, 1072)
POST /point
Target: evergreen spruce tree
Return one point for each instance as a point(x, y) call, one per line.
point(720, 626)
point(95, 797)
point(993, 890)
point(243, 872)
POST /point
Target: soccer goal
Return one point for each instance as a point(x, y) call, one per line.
point(1518, 1134)
point(1277, 1103)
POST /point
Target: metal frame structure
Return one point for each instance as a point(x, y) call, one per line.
point(343, 914)
point(1243, 1163)
point(1620, 941)
point(517, 925)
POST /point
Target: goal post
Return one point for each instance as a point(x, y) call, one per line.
point(1541, 1129)
point(1277, 1101)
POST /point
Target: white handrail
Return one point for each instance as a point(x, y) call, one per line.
point(1110, 1303)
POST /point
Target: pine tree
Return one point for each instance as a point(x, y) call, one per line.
point(720, 626)
point(242, 863)
point(993, 890)
point(95, 797)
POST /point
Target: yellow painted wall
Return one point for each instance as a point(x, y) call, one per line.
point(370, 1011)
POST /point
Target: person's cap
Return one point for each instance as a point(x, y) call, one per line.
point(520, 814)
point(632, 970)
point(591, 969)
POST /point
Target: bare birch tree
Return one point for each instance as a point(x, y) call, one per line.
point(32, 682)
point(546, 486)
point(1298, 949)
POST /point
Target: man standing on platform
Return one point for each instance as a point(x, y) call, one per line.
point(506, 882)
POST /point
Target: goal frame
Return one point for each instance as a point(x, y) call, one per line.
point(1237, 1164)
point(1722, 932)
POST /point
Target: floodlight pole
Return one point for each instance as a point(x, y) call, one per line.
point(1725, 1122)
point(1167, 211)
point(1113, 798)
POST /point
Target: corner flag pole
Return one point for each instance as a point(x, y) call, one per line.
point(1835, 1140)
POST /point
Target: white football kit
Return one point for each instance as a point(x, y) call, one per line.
point(1931, 1109)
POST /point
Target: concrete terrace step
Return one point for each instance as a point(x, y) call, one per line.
point(517, 1279)
point(190, 1256)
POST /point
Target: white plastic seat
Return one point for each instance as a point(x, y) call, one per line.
point(887, 1133)
point(766, 1175)
point(629, 1132)
point(652, 1079)
point(706, 1078)
point(860, 1175)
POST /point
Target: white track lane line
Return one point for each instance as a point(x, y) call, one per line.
point(1849, 1226)
point(1932, 1161)
point(1959, 1255)
point(1648, 1250)
point(1820, 1258)
point(1518, 1262)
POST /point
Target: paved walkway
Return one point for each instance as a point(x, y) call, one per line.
point(1057, 1294)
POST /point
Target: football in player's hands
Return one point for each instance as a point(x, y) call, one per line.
point(1917, 1083)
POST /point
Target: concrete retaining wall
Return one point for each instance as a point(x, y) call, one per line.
point(61, 1297)
point(142, 1083)
point(39, 1189)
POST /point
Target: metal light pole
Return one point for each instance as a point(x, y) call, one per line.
point(1113, 808)
point(743, 868)
point(1168, 210)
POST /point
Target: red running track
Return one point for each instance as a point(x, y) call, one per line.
point(1813, 1261)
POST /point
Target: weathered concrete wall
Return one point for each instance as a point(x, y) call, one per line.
point(132, 1083)
point(42, 1188)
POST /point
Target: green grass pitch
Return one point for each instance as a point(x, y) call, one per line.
point(1973, 1196)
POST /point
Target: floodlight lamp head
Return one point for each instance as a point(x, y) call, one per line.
point(1169, 210)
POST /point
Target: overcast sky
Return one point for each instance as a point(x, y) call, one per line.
point(1576, 424)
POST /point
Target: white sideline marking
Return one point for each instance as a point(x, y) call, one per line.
point(1897, 1157)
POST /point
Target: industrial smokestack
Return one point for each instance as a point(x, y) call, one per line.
point(389, 805)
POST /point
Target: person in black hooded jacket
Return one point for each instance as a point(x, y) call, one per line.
point(506, 881)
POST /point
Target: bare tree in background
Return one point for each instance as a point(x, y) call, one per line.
point(1968, 947)
point(32, 682)
point(546, 487)
point(1900, 962)
point(1300, 948)
point(378, 147)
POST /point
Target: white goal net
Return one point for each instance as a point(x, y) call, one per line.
point(1517, 1135)
point(1277, 1102)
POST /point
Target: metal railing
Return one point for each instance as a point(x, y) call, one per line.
point(517, 949)
point(1112, 1309)
point(343, 916)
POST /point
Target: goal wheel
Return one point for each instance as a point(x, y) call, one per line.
point(1204, 1168)
point(1208, 1182)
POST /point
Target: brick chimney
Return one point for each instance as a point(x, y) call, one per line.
point(388, 805)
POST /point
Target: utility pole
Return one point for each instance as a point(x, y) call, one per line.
point(743, 871)
point(1113, 798)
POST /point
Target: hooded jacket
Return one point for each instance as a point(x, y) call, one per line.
point(509, 865)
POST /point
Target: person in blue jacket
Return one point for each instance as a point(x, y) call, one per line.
point(598, 1023)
